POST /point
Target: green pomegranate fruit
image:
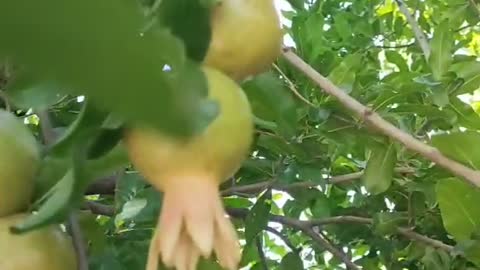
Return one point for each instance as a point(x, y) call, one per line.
point(246, 37)
point(19, 160)
point(193, 221)
point(48, 248)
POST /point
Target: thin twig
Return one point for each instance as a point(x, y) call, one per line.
point(339, 179)
point(320, 239)
point(292, 87)
point(382, 125)
point(261, 254)
point(284, 238)
point(107, 210)
point(408, 233)
point(302, 224)
point(417, 31)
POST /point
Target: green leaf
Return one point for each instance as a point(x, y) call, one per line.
point(321, 206)
point(379, 172)
point(55, 207)
point(441, 54)
point(106, 140)
point(291, 261)
point(258, 217)
point(130, 209)
point(397, 59)
point(272, 101)
point(26, 92)
point(436, 259)
point(190, 21)
point(386, 223)
point(469, 71)
point(205, 264)
point(105, 58)
point(89, 121)
point(297, 4)
point(459, 204)
point(344, 74)
point(458, 146)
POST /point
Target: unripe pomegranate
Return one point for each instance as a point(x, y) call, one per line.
point(246, 37)
point(19, 160)
point(193, 221)
point(47, 248)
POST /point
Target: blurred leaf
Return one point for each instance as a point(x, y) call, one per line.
point(321, 207)
point(459, 204)
point(470, 73)
point(378, 174)
point(105, 142)
point(89, 57)
point(26, 92)
point(190, 21)
point(344, 74)
point(387, 223)
point(397, 59)
point(258, 217)
point(291, 261)
point(272, 101)
point(458, 146)
point(441, 55)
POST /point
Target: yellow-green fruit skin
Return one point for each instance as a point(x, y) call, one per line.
point(48, 248)
point(19, 161)
point(218, 151)
point(246, 37)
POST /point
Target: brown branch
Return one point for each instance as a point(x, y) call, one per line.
point(339, 179)
point(78, 242)
point(104, 186)
point(382, 125)
point(331, 248)
point(417, 31)
point(408, 233)
point(100, 209)
point(305, 228)
point(302, 224)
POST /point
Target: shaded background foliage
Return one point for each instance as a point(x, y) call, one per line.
point(321, 189)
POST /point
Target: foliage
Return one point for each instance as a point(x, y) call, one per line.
point(86, 65)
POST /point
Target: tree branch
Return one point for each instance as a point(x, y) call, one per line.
point(104, 186)
point(308, 224)
point(292, 87)
point(329, 246)
point(78, 242)
point(100, 209)
point(284, 238)
point(417, 31)
point(339, 179)
point(382, 125)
